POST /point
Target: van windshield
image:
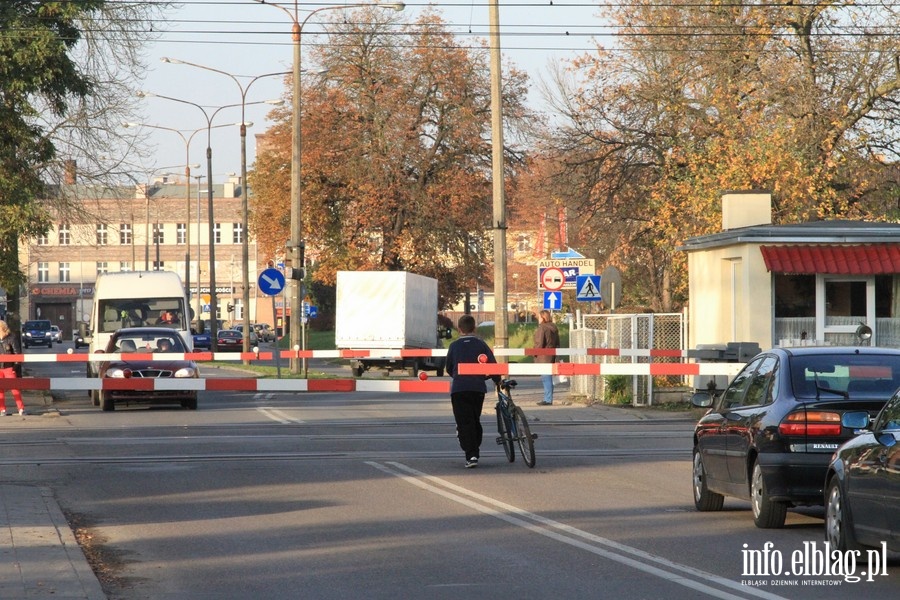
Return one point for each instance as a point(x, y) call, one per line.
point(114, 314)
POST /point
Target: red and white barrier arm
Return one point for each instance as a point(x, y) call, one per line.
point(362, 353)
point(654, 369)
point(441, 386)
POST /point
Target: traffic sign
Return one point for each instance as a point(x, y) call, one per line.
point(587, 288)
point(271, 282)
point(571, 268)
point(552, 300)
point(552, 279)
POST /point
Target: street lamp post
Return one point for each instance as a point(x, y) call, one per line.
point(149, 175)
point(213, 303)
point(298, 337)
point(245, 234)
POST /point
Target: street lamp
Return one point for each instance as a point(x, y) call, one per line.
point(213, 304)
point(298, 338)
point(147, 200)
point(245, 249)
point(187, 175)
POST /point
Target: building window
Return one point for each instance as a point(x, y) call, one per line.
point(64, 235)
point(125, 234)
point(64, 272)
point(43, 239)
point(236, 233)
point(159, 265)
point(43, 272)
point(524, 244)
point(159, 236)
point(181, 233)
point(102, 268)
point(102, 234)
point(124, 266)
point(217, 233)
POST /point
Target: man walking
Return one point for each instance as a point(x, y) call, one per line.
point(467, 391)
point(546, 336)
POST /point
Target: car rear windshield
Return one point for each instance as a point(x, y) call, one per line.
point(852, 373)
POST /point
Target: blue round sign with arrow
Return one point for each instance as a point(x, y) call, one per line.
point(271, 282)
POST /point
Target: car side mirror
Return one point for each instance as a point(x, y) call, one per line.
point(857, 419)
point(703, 399)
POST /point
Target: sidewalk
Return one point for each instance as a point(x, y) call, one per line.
point(39, 557)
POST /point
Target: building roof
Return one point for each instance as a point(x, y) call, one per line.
point(813, 232)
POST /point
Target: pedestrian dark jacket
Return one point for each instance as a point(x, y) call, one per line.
point(9, 345)
point(466, 350)
point(546, 336)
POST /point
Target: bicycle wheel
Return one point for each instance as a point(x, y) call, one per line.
point(526, 442)
point(505, 438)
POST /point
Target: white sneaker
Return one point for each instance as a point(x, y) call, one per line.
point(2, 413)
point(21, 412)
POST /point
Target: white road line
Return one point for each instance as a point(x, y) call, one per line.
point(640, 560)
point(277, 415)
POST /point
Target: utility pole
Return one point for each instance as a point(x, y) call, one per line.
point(498, 223)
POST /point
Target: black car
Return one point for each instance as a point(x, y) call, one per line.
point(230, 340)
point(147, 341)
point(768, 438)
point(37, 333)
point(862, 486)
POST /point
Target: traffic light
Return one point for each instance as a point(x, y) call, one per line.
point(297, 272)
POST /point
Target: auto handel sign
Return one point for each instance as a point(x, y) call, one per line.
point(571, 268)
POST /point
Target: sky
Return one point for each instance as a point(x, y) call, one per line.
point(247, 39)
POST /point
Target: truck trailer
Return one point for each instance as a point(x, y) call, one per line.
point(388, 311)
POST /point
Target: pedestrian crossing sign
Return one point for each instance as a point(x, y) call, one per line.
point(587, 288)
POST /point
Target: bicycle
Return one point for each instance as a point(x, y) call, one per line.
point(513, 426)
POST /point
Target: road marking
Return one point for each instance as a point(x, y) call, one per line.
point(277, 415)
point(609, 549)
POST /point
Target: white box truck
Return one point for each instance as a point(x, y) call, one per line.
point(390, 311)
point(136, 299)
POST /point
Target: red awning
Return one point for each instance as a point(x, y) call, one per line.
point(863, 259)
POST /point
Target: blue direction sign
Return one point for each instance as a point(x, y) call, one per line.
point(569, 253)
point(587, 288)
point(552, 300)
point(271, 282)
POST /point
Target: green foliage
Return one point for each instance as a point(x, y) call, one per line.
point(38, 78)
point(617, 389)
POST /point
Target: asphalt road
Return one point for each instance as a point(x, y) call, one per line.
point(365, 495)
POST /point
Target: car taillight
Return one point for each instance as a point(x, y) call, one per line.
point(812, 422)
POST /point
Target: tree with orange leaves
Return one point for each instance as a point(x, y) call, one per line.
point(396, 153)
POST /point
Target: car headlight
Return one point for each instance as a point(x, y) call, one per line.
point(27, 334)
point(119, 373)
point(186, 372)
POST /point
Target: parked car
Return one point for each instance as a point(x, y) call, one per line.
point(56, 334)
point(265, 332)
point(768, 438)
point(37, 333)
point(202, 341)
point(147, 340)
point(862, 486)
point(254, 338)
point(230, 340)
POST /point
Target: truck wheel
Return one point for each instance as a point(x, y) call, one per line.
point(359, 370)
point(414, 369)
point(440, 372)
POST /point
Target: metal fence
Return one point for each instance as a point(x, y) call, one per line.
point(666, 331)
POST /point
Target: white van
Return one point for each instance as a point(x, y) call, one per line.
point(136, 299)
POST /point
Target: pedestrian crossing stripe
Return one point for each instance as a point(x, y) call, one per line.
point(588, 288)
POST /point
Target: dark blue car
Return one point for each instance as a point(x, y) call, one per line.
point(202, 341)
point(862, 487)
point(768, 438)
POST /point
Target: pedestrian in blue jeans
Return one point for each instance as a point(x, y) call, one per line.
point(546, 336)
